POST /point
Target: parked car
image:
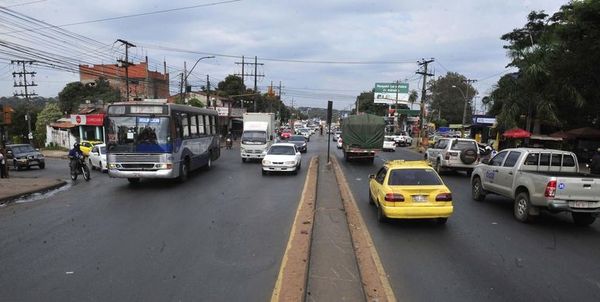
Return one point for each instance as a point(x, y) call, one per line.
point(282, 157)
point(86, 146)
point(97, 158)
point(389, 144)
point(539, 179)
point(24, 156)
point(453, 154)
point(299, 141)
point(409, 190)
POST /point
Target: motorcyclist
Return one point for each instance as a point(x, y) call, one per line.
point(74, 155)
point(228, 140)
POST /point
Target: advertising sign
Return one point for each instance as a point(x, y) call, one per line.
point(385, 93)
point(87, 119)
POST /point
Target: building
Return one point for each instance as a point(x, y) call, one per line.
point(87, 124)
point(143, 83)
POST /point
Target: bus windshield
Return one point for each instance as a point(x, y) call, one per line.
point(138, 134)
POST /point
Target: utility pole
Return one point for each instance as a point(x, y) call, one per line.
point(425, 74)
point(208, 93)
point(25, 84)
point(181, 89)
point(255, 74)
point(356, 106)
point(464, 117)
point(125, 63)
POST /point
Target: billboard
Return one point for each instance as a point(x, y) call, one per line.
point(385, 93)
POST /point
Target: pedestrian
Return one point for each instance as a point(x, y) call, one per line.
point(3, 161)
point(595, 164)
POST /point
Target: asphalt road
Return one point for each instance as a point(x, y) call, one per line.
point(218, 237)
point(483, 253)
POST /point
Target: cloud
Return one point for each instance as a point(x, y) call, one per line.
point(463, 36)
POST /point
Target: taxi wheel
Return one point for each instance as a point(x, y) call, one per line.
point(371, 198)
point(380, 215)
point(441, 220)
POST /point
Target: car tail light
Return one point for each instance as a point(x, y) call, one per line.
point(394, 197)
point(550, 189)
point(444, 197)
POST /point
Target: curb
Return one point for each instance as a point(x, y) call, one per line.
point(293, 273)
point(9, 199)
point(376, 285)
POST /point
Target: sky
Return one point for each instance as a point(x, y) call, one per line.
point(320, 42)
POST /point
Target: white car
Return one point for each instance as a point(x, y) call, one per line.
point(453, 154)
point(97, 158)
point(339, 143)
point(282, 157)
point(389, 144)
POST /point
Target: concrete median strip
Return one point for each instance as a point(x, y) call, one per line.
point(376, 285)
point(291, 281)
point(15, 188)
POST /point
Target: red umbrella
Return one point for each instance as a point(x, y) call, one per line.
point(516, 133)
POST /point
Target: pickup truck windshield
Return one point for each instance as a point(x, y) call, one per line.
point(413, 177)
point(254, 137)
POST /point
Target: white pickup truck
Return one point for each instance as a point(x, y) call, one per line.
point(539, 179)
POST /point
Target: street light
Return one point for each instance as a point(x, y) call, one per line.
point(464, 117)
point(184, 78)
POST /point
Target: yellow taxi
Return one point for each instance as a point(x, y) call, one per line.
point(409, 190)
point(86, 146)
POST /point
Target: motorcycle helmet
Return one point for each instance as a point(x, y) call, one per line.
point(76, 145)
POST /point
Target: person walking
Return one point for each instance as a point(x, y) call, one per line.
point(3, 161)
point(595, 164)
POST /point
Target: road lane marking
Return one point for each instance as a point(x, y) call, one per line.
point(373, 276)
point(293, 272)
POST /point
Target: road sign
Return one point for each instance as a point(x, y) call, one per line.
point(385, 93)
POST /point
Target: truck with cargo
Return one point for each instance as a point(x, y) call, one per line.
point(362, 136)
point(537, 179)
point(257, 135)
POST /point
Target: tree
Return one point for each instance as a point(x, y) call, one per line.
point(448, 95)
point(196, 103)
point(75, 93)
point(49, 114)
point(366, 104)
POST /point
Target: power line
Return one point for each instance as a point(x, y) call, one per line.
point(130, 16)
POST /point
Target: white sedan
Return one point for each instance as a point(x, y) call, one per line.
point(282, 157)
point(339, 143)
point(389, 144)
point(97, 157)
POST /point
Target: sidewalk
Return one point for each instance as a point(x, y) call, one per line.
point(14, 188)
point(333, 271)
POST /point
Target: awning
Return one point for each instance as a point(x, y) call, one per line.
point(516, 133)
point(585, 133)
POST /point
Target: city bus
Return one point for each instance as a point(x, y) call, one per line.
point(159, 140)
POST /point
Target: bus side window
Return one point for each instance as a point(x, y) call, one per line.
point(185, 124)
point(213, 126)
point(201, 123)
point(178, 126)
point(194, 125)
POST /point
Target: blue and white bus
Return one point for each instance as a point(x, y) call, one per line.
point(159, 140)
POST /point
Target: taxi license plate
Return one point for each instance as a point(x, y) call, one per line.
point(419, 198)
point(584, 204)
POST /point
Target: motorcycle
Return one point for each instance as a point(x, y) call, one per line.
point(81, 168)
point(228, 143)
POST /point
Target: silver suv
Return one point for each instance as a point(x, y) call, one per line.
point(457, 154)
